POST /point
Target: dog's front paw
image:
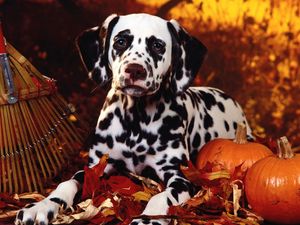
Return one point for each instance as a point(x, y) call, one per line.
point(40, 213)
point(150, 222)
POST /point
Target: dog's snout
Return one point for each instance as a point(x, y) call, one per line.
point(136, 71)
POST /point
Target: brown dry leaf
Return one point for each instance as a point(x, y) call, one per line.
point(148, 183)
point(89, 211)
point(237, 193)
point(142, 196)
point(30, 196)
point(8, 214)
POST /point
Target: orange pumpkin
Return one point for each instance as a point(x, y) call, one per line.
point(272, 186)
point(229, 154)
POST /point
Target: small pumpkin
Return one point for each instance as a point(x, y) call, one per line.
point(272, 186)
point(229, 154)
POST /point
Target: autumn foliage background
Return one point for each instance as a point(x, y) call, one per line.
point(253, 50)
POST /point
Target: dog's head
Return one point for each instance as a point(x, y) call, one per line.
point(140, 51)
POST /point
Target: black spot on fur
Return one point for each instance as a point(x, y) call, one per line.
point(179, 109)
point(151, 138)
point(60, 202)
point(167, 176)
point(169, 202)
point(175, 144)
point(161, 162)
point(150, 172)
point(221, 107)
point(216, 134)
point(141, 148)
point(234, 125)
point(121, 138)
point(135, 159)
point(196, 140)
point(151, 151)
point(29, 222)
point(98, 153)
point(29, 205)
point(193, 155)
point(174, 194)
point(118, 164)
point(105, 123)
point(146, 220)
point(160, 109)
point(207, 137)
point(109, 141)
point(191, 125)
point(226, 125)
point(90, 161)
point(127, 154)
point(20, 215)
point(162, 148)
point(209, 99)
point(50, 216)
point(142, 158)
point(79, 176)
point(208, 121)
point(176, 161)
point(180, 185)
point(170, 167)
point(170, 123)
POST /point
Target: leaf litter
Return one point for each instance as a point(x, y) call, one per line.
point(120, 198)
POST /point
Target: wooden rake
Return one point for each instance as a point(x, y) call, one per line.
point(38, 129)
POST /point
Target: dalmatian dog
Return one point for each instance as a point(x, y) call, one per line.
point(152, 121)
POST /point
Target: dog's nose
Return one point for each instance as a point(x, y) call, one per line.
point(136, 71)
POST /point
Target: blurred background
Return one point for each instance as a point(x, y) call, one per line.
point(253, 45)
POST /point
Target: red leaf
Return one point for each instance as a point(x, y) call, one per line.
point(238, 173)
point(97, 200)
point(180, 212)
point(8, 199)
point(128, 208)
point(2, 205)
point(100, 219)
point(204, 177)
point(92, 176)
point(123, 185)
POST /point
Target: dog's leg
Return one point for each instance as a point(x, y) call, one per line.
point(178, 191)
point(43, 212)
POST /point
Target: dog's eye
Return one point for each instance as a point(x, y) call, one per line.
point(158, 46)
point(120, 43)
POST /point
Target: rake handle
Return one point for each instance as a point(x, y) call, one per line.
point(4, 62)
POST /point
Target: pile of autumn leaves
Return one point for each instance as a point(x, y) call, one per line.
point(120, 198)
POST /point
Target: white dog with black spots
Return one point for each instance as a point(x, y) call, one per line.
point(152, 121)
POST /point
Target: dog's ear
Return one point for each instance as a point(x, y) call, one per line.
point(187, 56)
point(93, 47)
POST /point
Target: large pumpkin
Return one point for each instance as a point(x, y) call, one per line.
point(272, 186)
point(230, 154)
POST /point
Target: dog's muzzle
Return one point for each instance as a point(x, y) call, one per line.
point(134, 80)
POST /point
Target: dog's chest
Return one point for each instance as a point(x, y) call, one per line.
point(142, 131)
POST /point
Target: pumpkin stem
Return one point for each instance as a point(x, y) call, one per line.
point(241, 134)
point(284, 148)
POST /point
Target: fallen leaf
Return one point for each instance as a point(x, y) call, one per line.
point(203, 177)
point(92, 176)
point(142, 196)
